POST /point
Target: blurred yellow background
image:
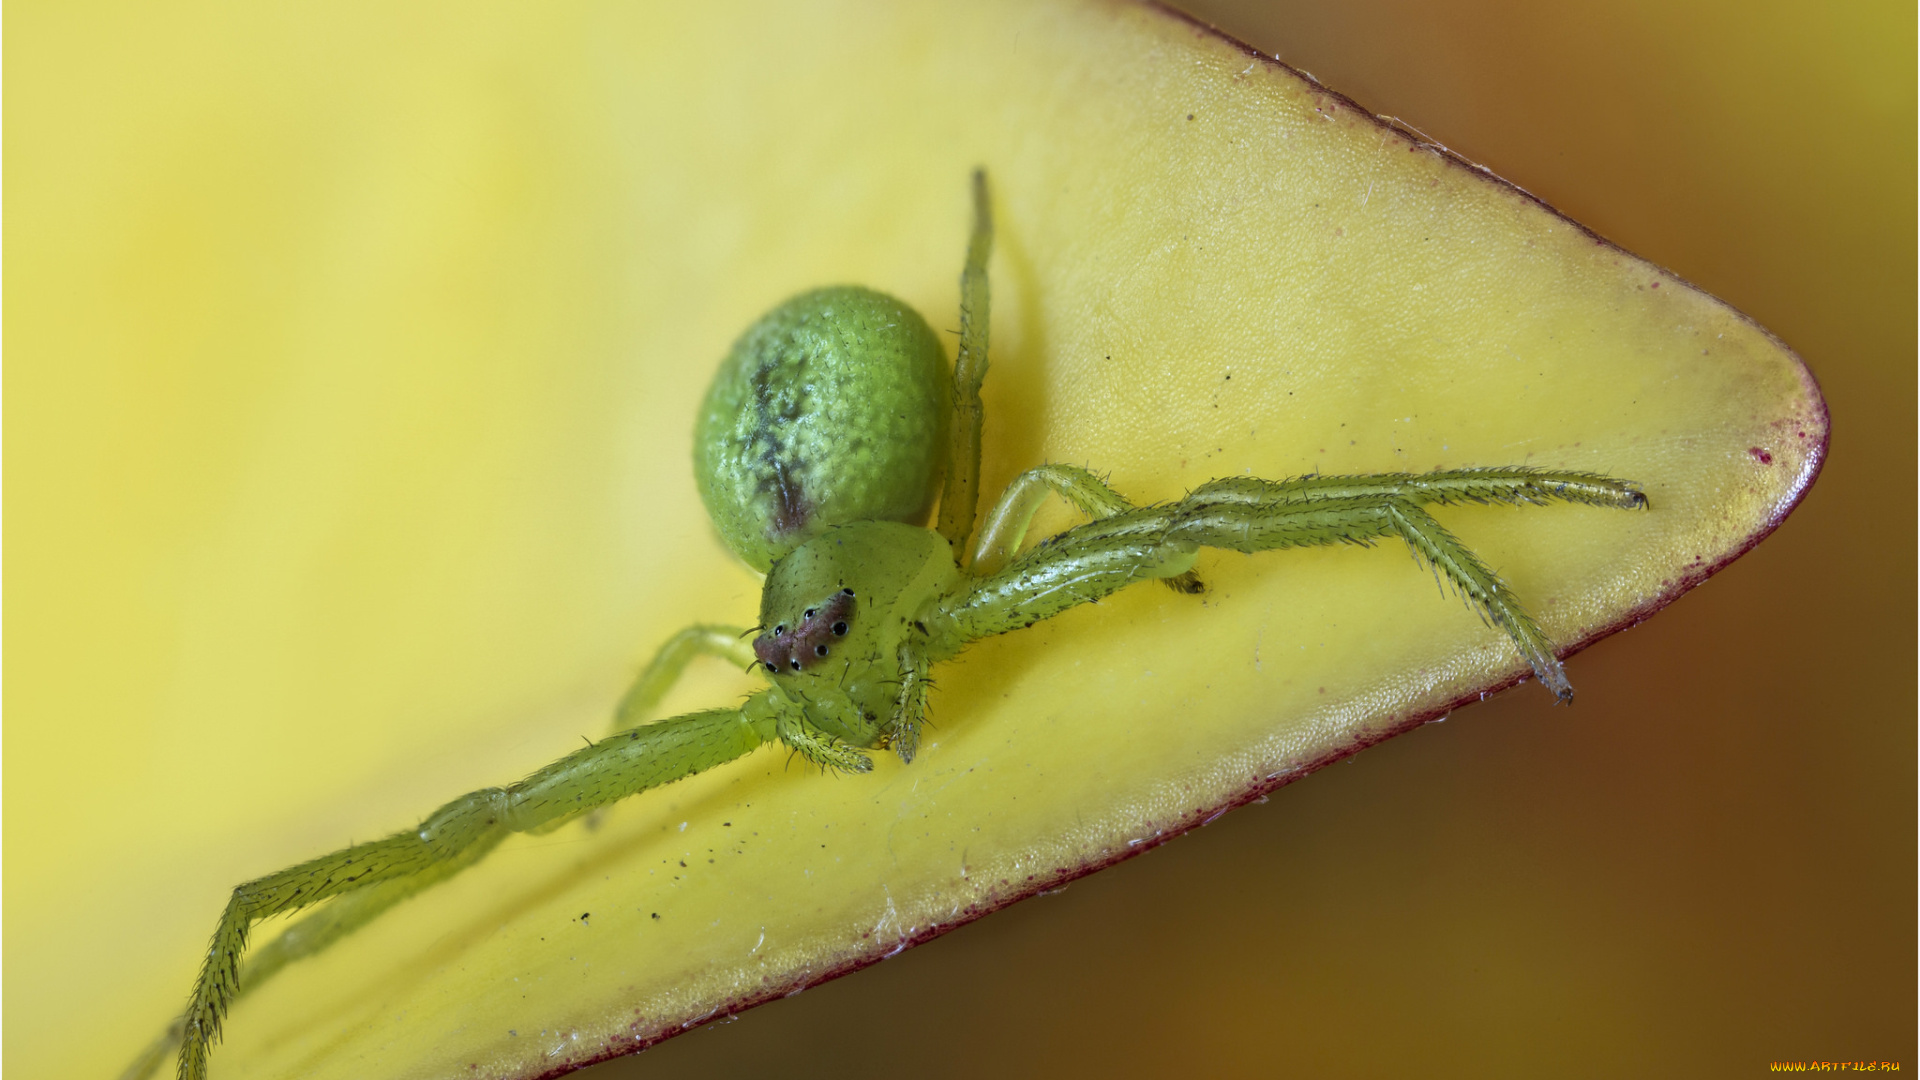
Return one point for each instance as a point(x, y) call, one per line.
point(1704, 866)
point(1708, 863)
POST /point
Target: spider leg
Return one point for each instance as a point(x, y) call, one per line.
point(1006, 525)
point(1524, 485)
point(312, 934)
point(351, 911)
point(1502, 485)
point(1247, 514)
point(910, 707)
point(726, 642)
point(347, 913)
point(961, 491)
point(1483, 590)
point(452, 838)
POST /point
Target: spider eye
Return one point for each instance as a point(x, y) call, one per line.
point(807, 614)
point(846, 592)
point(795, 664)
point(839, 629)
point(771, 666)
point(779, 630)
point(819, 650)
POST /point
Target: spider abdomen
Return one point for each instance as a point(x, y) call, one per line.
point(833, 408)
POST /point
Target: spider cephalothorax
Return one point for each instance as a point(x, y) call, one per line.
point(819, 450)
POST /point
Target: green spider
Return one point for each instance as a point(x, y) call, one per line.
point(819, 450)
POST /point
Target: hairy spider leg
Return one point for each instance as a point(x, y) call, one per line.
point(1247, 514)
point(1005, 528)
point(910, 707)
point(1513, 485)
point(729, 643)
point(961, 490)
point(313, 933)
point(1403, 493)
point(453, 836)
point(348, 912)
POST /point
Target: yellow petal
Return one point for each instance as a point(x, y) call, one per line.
point(356, 375)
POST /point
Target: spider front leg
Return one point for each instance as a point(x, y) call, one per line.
point(1248, 515)
point(312, 934)
point(454, 836)
point(346, 913)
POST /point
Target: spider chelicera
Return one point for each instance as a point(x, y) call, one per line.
point(820, 449)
